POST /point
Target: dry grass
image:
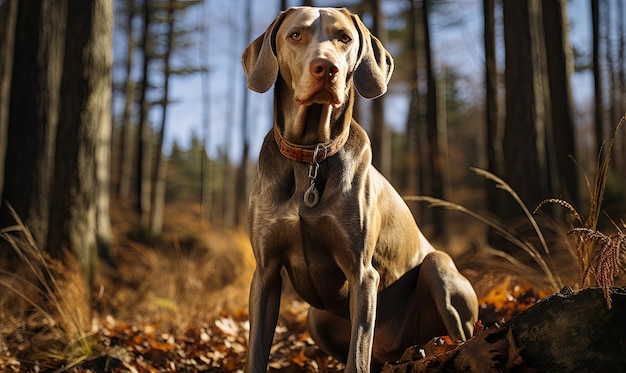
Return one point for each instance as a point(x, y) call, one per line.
point(45, 311)
point(595, 251)
point(188, 275)
point(509, 234)
point(184, 278)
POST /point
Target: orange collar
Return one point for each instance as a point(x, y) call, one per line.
point(310, 153)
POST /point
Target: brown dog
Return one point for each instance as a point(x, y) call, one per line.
point(321, 211)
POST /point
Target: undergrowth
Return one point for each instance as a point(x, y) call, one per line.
point(45, 309)
point(595, 252)
point(50, 319)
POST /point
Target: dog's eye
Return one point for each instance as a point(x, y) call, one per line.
point(295, 36)
point(345, 38)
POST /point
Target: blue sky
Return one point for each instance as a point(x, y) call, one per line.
point(459, 47)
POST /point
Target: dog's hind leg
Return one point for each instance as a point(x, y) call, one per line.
point(451, 292)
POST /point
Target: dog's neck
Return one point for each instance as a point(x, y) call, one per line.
point(308, 125)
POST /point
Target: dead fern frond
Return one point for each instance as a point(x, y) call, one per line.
point(589, 259)
point(605, 262)
point(562, 203)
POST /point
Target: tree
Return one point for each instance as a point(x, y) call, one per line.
point(8, 15)
point(621, 63)
point(241, 185)
point(206, 172)
point(33, 113)
point(560, 65)
point(158, 182)
point(142, 159)
point(495, 129)
point(84, 110)
point(436, 164)
point(380, 137)
point(126, 143)
point(597, 75)
point(411, 182)
point(524, 134)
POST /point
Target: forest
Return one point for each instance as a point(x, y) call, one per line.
point(128, 144)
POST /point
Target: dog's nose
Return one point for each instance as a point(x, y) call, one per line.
point(321, 68)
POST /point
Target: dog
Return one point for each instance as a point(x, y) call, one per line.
point(321, 211)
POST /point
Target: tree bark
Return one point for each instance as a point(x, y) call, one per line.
point(412, 144)
point(8, 17)
point(206, 167)
point(381, 144)
point(143, 163)
point(127, 146)
point(33, 112)
point(158, 183)
point(100, 102)
point(432, 129)
point(560, 66)
point(524, 133)
point(494, 125)
point(241, 185)
point(84, 109)
point(621, 62)
point(597, 75)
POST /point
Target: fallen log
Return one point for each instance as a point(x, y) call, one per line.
point(566, 332)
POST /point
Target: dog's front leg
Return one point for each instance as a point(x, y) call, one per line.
point(264, 308)
point(363, 298)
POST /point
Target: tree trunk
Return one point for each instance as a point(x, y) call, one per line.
point(206, 167)
point(33, 112)
point(241, 185)
point(495, 130)
point(381, 144)
point(432, 131)
point(560, 65)
point(127, 146)
point(85, 106)
point(143, 164)
point(8, 17)
point(412, 160)
point(621, 62)
point(229, 206)
point(597, 75)
point(607, 30)
point(524, 134)
point(158, 202)
point(158, 183)
point(102, 95)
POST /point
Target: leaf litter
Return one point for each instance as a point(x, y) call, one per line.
point(221, 345)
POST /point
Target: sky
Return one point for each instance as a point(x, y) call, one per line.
point(224, 41)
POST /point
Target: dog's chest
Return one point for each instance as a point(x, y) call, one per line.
point(312, 267)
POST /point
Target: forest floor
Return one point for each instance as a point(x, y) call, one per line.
point(177, 303)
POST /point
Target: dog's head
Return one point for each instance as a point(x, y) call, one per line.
point(317, 51)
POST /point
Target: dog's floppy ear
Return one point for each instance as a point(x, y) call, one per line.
point(259, 61)
point(375, 64)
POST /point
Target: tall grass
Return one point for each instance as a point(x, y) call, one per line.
point(504, 231)
point(595, 252)
point(45, 304)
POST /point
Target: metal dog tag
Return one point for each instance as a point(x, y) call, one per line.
point(311, 196)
